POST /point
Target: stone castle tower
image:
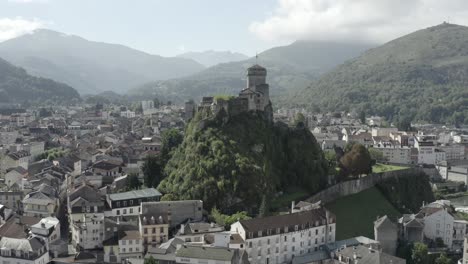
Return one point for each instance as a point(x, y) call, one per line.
point(257, 91)
point(255, 97)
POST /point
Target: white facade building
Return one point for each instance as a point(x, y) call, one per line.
point(401, 155)
point(278, 239)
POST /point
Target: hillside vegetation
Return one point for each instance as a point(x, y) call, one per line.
point(226, 163)
point(407, 194)
point(422, 76)
point(16, 85)
point(290, 68)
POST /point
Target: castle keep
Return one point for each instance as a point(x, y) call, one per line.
point(255, 97)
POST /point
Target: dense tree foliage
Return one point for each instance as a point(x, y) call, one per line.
point(150, 260)
point(152, 170)
point(226, 163)
point(228, 220)
point(408, 193)
point(171, 139)
point(357, 161)
point(420, 254)
point(443, 259)
point(133, 183)
point(421, 77)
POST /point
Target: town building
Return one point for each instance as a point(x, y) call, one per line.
point(128, 203)
point(154, 229)
point(210, 255)
point(386, 232)
point(278, 239)
point(31, 250)
point(180, 211)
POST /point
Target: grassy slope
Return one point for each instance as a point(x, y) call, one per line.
point(377, 168)
point(355, 214)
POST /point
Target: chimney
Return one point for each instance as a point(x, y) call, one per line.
point(293, 204)
point(182, 229)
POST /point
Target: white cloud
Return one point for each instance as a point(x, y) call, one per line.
point(356, 20)
point(14, 27)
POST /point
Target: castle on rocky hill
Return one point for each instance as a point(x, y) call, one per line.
point(255, 97)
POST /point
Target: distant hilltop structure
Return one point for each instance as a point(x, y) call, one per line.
point(255, 97)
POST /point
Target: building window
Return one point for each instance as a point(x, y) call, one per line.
point(145, 231)
point(161, 230)
point(118, 212)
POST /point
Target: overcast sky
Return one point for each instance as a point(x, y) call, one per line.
point(170, 27)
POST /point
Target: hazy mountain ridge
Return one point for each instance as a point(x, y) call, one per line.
point(91, 66)
point(16, 85)
point(420, 76)
point(211, 57)
point(290, 67)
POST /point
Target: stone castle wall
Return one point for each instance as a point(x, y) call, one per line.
point(358, 185)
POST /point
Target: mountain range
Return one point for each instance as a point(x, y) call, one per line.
point(422, 76)
point(88, 66)
point(289, 67)
point(210, 57)
point(17, 86)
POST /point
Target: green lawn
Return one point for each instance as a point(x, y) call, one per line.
point(355, 214)
point(377, 168)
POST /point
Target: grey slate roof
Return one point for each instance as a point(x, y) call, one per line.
point(145, 193)
point(366, 256)
point(306, 218)
point(211, 253)
point(29, 244)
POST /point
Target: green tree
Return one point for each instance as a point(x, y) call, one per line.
point(357, 161)
point(171, 139)
point(228, 220)
point(152, 170)
point(420, 254)
point(299, 120)
point(150, 260)
point(443, 259)
point(133, 182)
point(404, 124)
point(362, 117)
